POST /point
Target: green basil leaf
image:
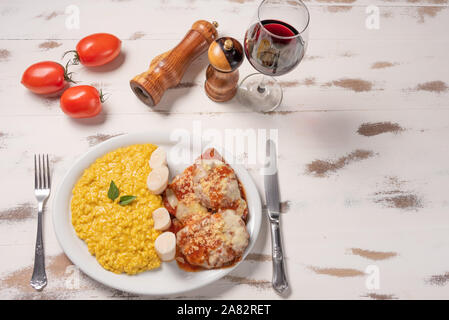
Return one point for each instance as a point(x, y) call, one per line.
point(113, 191)
point(126, 200)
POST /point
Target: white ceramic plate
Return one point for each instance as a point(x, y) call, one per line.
point(169, 278)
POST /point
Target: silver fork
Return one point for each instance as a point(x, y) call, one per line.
point(42, 191)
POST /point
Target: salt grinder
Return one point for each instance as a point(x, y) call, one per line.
point(222, 75)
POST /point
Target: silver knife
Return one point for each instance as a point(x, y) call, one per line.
point(280, 283)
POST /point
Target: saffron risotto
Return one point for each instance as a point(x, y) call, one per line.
point(120, 237)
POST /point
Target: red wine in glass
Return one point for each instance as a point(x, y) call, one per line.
point(273, 47)
point(275, 43)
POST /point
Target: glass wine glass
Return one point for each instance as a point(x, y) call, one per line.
point(275, 44)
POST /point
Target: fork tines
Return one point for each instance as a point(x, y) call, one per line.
point(41, 172)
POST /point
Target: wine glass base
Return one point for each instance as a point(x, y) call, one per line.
point(260, 98)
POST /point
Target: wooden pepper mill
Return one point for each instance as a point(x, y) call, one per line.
point(222, 76)
point(167, 69)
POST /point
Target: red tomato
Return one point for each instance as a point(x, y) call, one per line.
point(81, 102)
point(97, 49)
point(45, 77)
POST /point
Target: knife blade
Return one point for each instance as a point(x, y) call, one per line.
point(271, 181)
point(279, 281)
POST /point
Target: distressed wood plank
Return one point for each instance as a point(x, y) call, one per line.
point(335, 75)
point(363, 161)
point(151, 20)
point(327, 217)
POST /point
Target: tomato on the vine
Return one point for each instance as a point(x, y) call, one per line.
point(96, 49)
point(81, 102)
point(46, 77)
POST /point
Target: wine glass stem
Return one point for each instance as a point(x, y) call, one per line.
point(262, 84)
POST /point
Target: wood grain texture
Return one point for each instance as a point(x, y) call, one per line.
point(167, 69)
point(363, 131)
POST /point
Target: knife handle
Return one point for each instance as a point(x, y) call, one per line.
point(279, 281)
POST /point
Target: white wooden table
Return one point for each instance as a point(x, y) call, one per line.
point(366, 212)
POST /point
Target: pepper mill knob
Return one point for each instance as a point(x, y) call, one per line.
point(222, 76)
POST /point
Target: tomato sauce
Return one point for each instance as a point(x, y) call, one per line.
point(184, 187)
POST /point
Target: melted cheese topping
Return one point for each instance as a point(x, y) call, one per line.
point(235, 233)
point(214, 241)
point(181, 199)
point(190, 211)
point(210, 209)
point(215, 184)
